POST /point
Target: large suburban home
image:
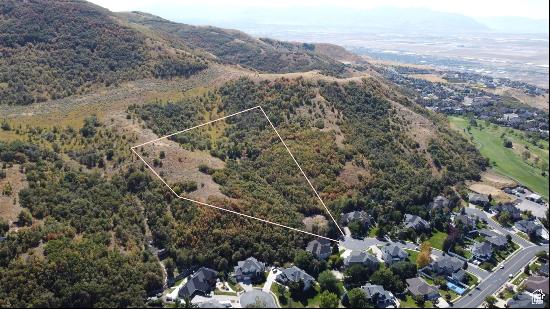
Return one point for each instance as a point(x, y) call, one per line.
point(533, 197)
point(498, 241)
point(295, 274)
point(482, 251)
point(361, 258)
point(320, 248)
point(416, 223)
point(529, 227)
point(446, 266)
point(419, 287)
point(439, 202)
point(478, 199)
point(391, 253)
point(377, 296)
point(534, 283)
point(202, 282)
point(359, 216)
point(510, 208)
point(249, 270)
point(543, 270)
point(523, 300)
point(466, 221)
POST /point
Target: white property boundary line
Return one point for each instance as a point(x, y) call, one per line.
point(232, 211)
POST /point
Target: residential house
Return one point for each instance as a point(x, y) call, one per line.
point(459, 275)
point(543, 270)
point(358, 216)
point(416, 223)
point(478, 199)
point(466, 221)
point(361, 258)
point(295, 274)
point(510, 208)
point(249, 270)
point(446, 266)
point(439, 202)
point(392, 253)
point(482, 251)
point(498, 242)
point(529, 227)
point(419, 287)
point(534, 283)
point(320, 248)
point(202, 282)
point(523, 300)
point(377, 296)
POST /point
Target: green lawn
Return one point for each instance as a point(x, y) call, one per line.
point(413, 255)
point(437, 239)
point(312, 300)
point(505, 160)
point(409, 302)
point(473, 280)
point(520, 278)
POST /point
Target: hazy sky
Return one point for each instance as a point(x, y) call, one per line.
point(537, 9)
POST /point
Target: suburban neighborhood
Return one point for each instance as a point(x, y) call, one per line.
point(491, 254)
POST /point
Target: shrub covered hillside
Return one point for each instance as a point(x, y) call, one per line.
point(352, 142)
point(235, 47)
point(53, 49)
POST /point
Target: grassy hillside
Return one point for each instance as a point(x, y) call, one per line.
point(54, 49)
point(526, 162)
point(236, 47)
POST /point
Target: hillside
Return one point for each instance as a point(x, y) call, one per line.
point(236, 47)
point(54, 49)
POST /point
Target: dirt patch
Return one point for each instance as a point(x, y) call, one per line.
point(316, 224)
point(495, 193)
point(496, 180)
point(540, 102)
point(9, 210)
point(434, 78)
point(352, 175)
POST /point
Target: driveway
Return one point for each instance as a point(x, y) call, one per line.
point(269, 281)
point(472, 210)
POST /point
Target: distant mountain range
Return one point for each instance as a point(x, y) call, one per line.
point(383, 19)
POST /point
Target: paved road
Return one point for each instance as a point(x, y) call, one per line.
point(497, 279)
point(494, 225)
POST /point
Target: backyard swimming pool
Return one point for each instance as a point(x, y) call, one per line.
point(456, 288)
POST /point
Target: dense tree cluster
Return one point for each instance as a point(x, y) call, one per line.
point(54, 49)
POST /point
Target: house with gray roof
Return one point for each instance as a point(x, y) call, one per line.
point(466, 221)
point(446, 265)
point(361, 258)
point(392, 253)
point(482, 251)
point(510, 208)
point(249, 270)
point(359, 216)
point(377, 296)
point(295, 274)
point(543, 270)
point(439, 202)
point(419, 287)
point(534, 283)
point(416, 223)
point(202, 282)
point(522, 300)
point(529, 227)
point(478, 199)
point(320, 248)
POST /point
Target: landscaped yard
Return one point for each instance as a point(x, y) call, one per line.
point(501, 255)
point(472, 280)
point(409, 302)
point(437, 239)
point(520, 279)
point(413, 255)
point(311, 299)
point(509, 161)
